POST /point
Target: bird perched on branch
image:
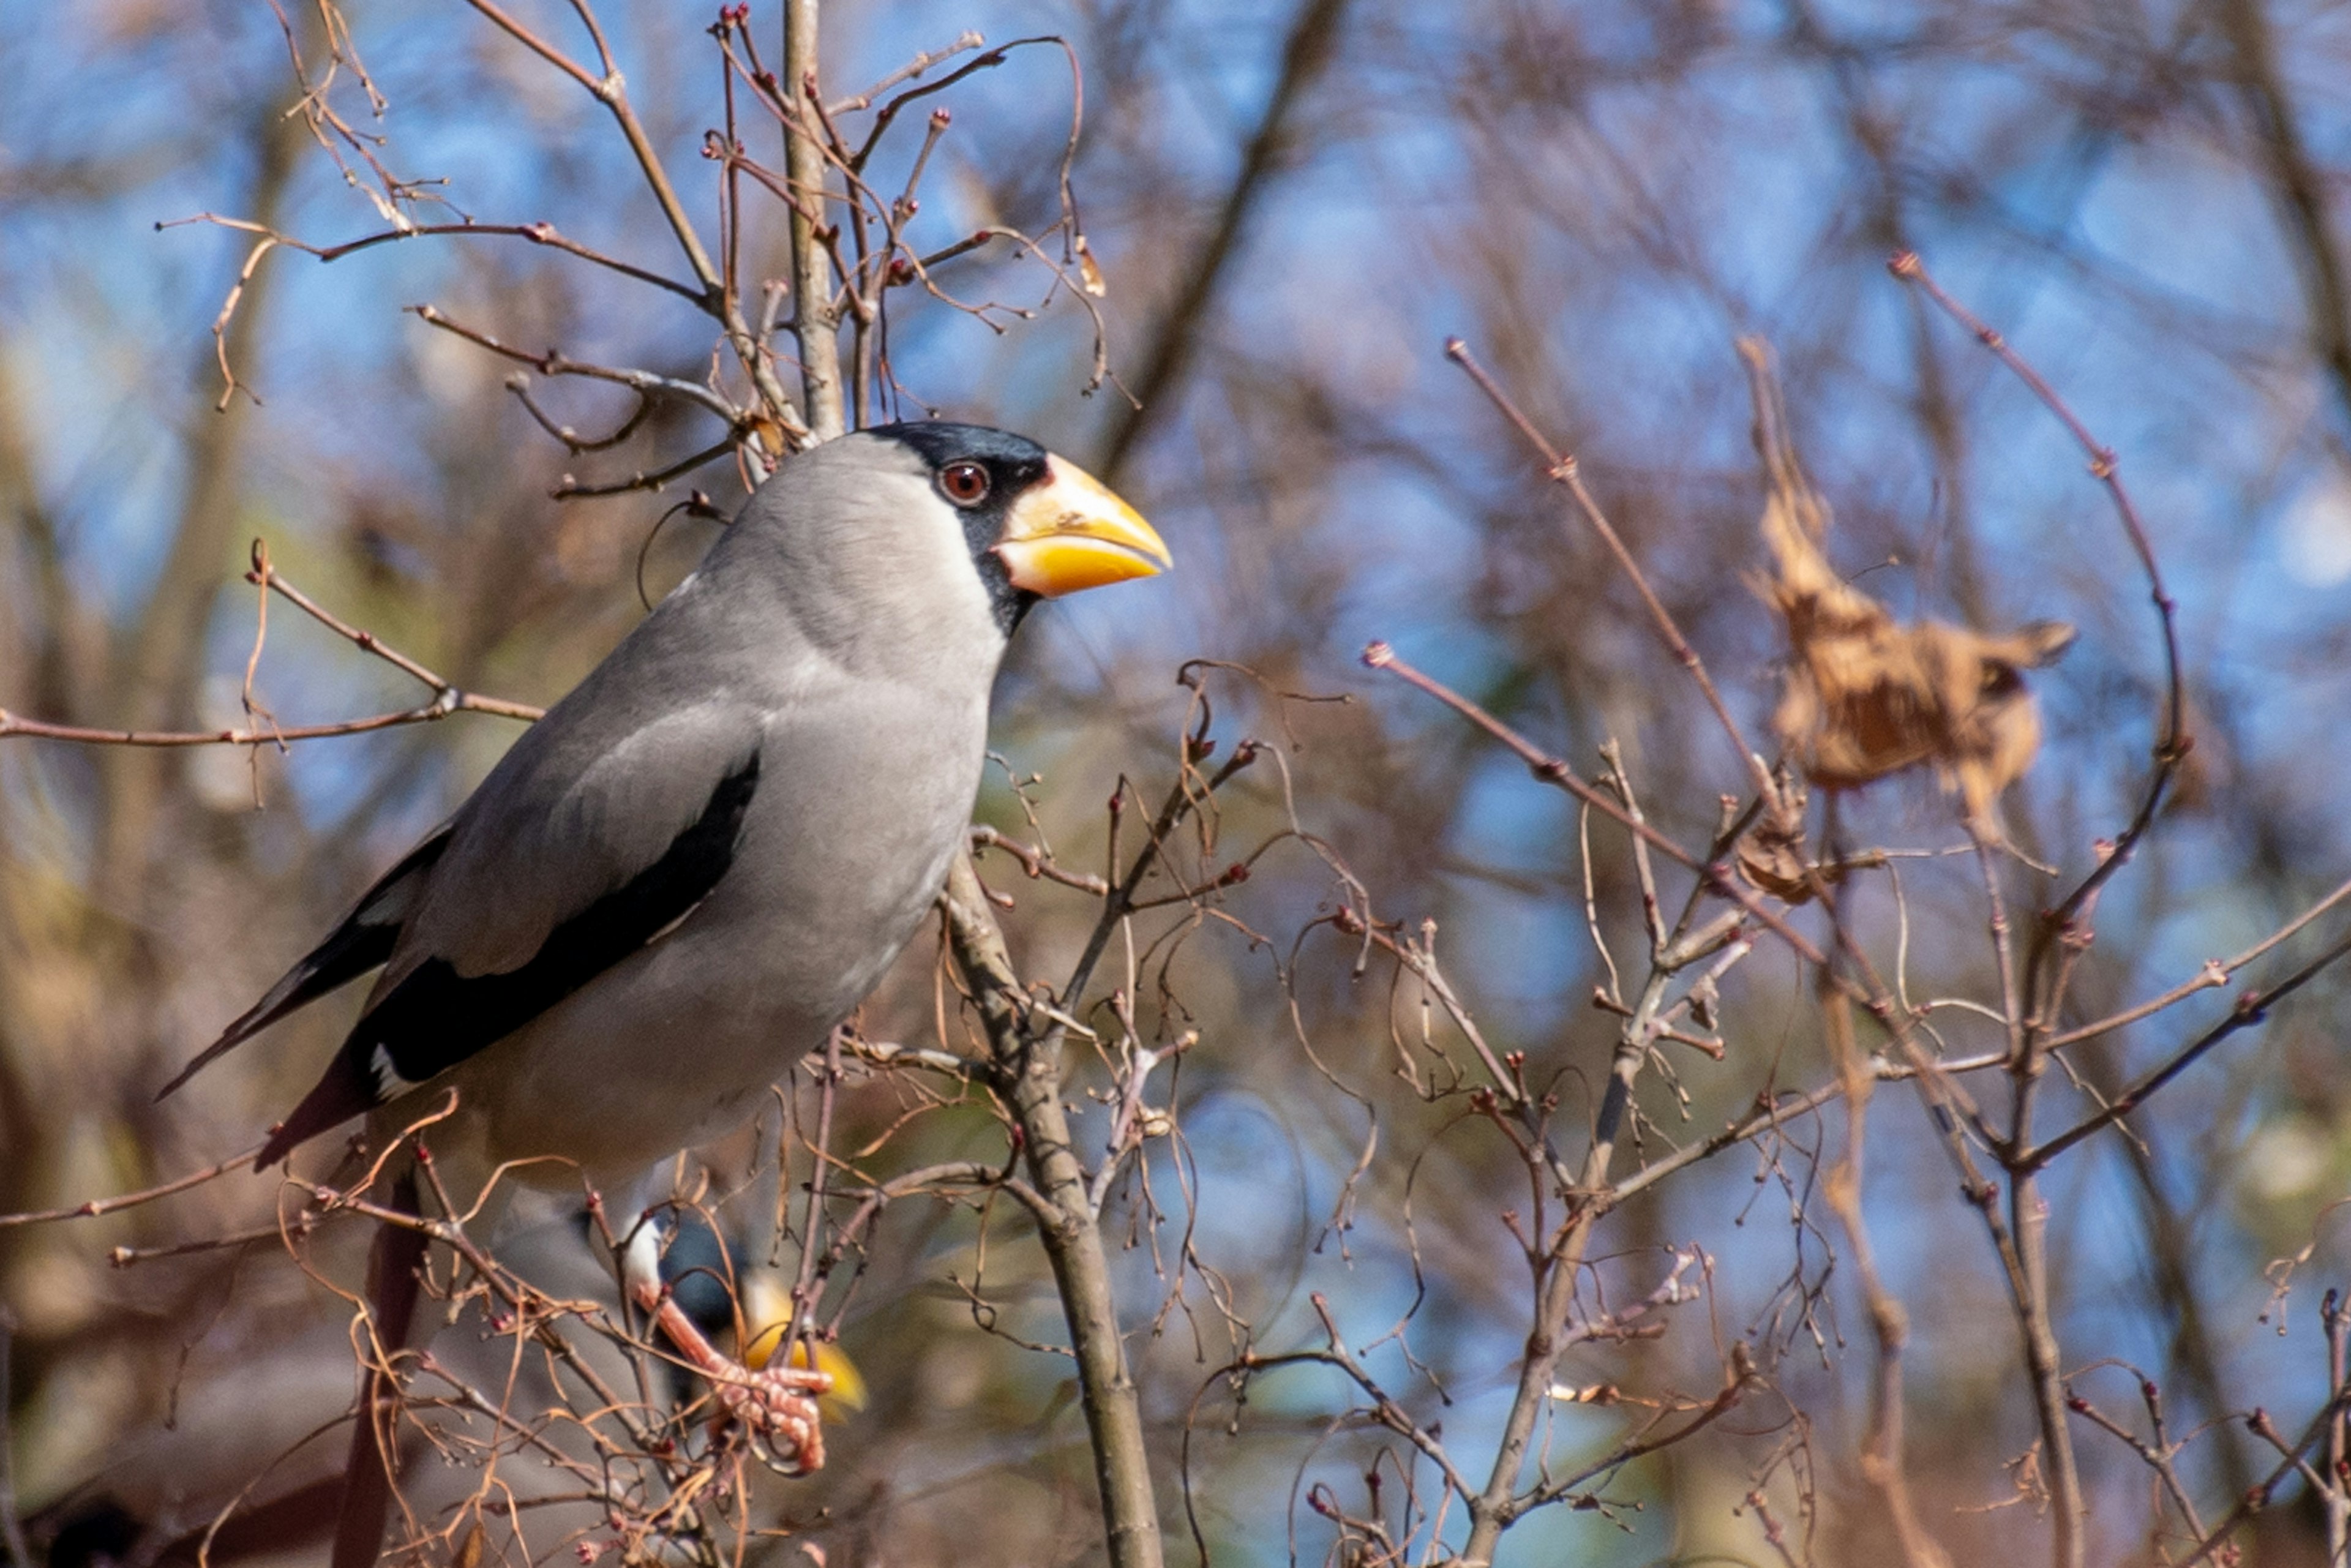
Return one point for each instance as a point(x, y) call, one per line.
point(703, 857)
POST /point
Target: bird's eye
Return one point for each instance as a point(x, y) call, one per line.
point(966, 483)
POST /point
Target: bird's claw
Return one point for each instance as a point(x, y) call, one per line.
point(775, 1404)
point(777, 1407)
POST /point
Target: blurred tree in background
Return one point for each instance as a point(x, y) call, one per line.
point(1234, 311)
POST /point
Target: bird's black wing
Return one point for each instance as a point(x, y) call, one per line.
point(363, 942)
point(434, 1016)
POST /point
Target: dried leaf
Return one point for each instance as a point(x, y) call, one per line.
point(1769, 855)
point(1865, 697)
point(1772, 858)
point(1089, 271)
point(775, 446)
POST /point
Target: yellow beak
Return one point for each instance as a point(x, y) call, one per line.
point(1071, 533)
point(768, 1313)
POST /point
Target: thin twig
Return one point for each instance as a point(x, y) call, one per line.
point(555, 363)
point(98, 1206)
point(2173, 745)
point(1562, 468)
point(2253, 1501)
point(541, 234)
point(970, 40)
point(1551, 769)
point(2252, 1007)
point(570, 490)
point(1032, 1082)
point(804, 165)
point(2213, 975)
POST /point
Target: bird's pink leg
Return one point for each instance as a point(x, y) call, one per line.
point(774, 1404)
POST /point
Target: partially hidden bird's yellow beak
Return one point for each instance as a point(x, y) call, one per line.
point(768, 1313)
point(1069, 533)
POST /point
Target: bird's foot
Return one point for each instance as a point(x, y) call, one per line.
point(775, 1404)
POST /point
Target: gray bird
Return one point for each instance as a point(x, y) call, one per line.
point(703, 857)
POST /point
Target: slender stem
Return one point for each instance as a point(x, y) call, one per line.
point(2214, 973)
point(2028, 1219)
point(1713, 876)
point(2171, 748)
point(1493, 1510)
point(446, 698)
point(1563, 469)
point(1777, 1114)
point(130, 1199)
point(1031, 1077)
point(968, 41)
point(2028, 1214)
point(809, 1285)
point(611, 89)
point(570, 488)
point(2257, 1499)
point(553, 363)
point(272, 734)
point(2251, 1007)
point(814, 321)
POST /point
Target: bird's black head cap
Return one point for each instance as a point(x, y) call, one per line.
point(1013, 464)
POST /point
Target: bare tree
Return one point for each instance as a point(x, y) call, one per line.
point(1179, 1187)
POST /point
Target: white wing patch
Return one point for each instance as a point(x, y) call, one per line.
point(388, 1084)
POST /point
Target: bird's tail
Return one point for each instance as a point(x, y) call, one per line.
point(392, 1289)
